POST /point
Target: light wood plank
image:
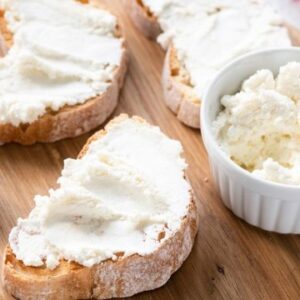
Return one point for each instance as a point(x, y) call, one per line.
point(230, 259)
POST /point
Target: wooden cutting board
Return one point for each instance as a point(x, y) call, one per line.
point(230, 259)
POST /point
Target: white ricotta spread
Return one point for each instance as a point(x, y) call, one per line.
point(63, 53)
point(288, 9)
point(259, 127)
point(118, 197)
point(208, 34)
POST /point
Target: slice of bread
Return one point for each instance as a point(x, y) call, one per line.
point(69, 121)
point(123, 277)
point(179, 93)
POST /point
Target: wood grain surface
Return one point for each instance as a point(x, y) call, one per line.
point(230, 259)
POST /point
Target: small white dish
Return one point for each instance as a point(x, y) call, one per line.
point(270, 206)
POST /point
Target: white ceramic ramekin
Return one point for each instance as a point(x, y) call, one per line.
point(268, 205)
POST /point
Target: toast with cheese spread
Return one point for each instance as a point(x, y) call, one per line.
point(200, 37)
point(62, 68)
point(122, 221)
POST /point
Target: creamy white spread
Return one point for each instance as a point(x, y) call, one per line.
point(127, 189)
point(63, 53)
point(288, 9)
point(208, 34)
point(259, 127)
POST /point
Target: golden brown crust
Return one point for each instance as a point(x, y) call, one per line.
point(122, 278)
point(179, 94)
point(69, 121)
point(7, 37)
point(68, 281)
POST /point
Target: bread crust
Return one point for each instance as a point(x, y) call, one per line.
point(69, 121)
point(121, 278)
point(179, 94)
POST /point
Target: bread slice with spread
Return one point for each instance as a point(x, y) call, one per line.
point(122, 220)
point(201, 37)
point(63, 67)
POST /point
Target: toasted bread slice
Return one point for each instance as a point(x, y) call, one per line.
point(178, 92)
point(123, 277)
point(69, 121)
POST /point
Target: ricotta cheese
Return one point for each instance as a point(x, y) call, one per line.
point(127, 189)
point(63, 53)
point(259, 127)
point(207, 34)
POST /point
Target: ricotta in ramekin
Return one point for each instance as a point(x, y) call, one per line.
point(259, 126)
